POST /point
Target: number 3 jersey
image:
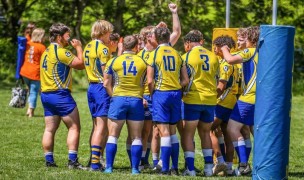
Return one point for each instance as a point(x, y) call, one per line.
point(129, 72)
point(95, 55)
point(167, 65)
point(55, 72)
point(202, 67)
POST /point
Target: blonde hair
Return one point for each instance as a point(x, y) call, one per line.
point(144, 32)
point(100, 28)
point(241, 32)
point(37, 35)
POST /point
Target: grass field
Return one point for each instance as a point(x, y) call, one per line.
point(21, 155)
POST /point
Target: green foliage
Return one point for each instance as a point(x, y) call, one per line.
point(8, 52)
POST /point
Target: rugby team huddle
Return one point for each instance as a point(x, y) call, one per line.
point(155, 90)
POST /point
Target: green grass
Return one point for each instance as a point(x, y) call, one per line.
point(21, 155)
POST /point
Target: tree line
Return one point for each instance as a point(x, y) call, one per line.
point(129, 16)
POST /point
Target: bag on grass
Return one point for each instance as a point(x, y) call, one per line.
point(18, 99)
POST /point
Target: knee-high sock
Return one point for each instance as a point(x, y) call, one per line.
point(95, 157)
point(136, 151)
point(248, 147)
point(189, 157)
point(165, 146)
point(240, 148)
point(111, 151)
point(175, 151)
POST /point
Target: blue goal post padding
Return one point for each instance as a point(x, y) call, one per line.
point(273, 102)
point(20, 55)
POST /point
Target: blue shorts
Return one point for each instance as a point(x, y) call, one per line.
point(166, 106)
point(243, 113)
point(126, 108)
point(194, 112)
point(98, 99)
point(222, 113)
point(148, 110)
point(60, 103)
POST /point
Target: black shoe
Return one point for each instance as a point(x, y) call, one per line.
point(75, 165)
point(174, 172)
point(165, 173)
point(50, 164)
point(244, 169)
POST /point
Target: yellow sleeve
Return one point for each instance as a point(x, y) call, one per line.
point(103, 54)
point(225, 71)
point(65, 56)
point(150, 60)
point(246, 54)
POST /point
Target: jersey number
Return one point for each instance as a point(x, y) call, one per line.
point(205, 58)
point(131, 69)
point(87, 60)
point(44, 64)
point(169, 62)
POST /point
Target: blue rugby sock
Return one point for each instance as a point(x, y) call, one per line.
point(189, 158)
point(49, 157)
point(95, 156)
point(175, 151)
point(165, 146)
point(111, 151)
point(136, 151)
point(248, 147)
point(208, 156)
point(240, 149)
point(72, 155)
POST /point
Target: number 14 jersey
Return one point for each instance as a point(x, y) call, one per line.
point(129, 72)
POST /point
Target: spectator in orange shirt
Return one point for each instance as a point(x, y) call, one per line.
point(30, 70)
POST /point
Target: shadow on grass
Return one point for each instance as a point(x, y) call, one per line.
point(296, 174)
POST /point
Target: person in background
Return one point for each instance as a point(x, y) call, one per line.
point(29, 30)
point(30, 70)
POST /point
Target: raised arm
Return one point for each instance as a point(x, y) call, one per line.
point(236, 59)
point(176, 29)
point(77, 62)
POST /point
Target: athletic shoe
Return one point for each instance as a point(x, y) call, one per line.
point(50, 164)
point(75, 165)
point(219, 167)
point(135, 171)
point(208, 172)
point(189, 173)
point(174, 172)
point(108, 170)
point(159, 166)
point(231, 172)
point(165, 173)
point(244, 169)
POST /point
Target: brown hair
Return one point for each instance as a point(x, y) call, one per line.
point(130, 42)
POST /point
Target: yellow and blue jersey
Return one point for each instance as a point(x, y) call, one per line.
point(95, 55)
point(202, 67)
point(250, 61)
point(144, 54)
point(129, 73)
point(167, 65)
point(55, 72)
point(228, 73)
